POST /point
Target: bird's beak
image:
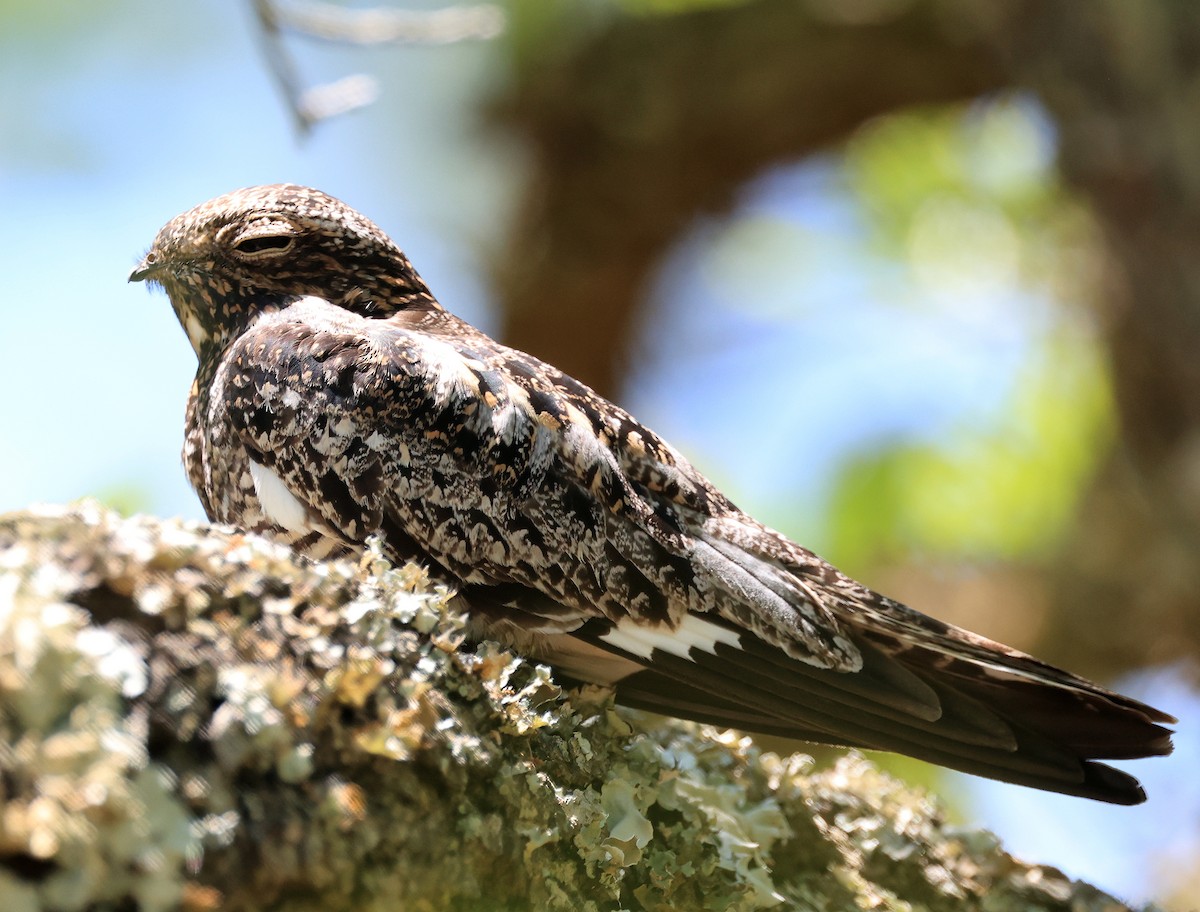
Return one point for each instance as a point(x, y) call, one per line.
point(150, 265)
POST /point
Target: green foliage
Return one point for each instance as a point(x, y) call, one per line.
point(541, 30)
point(968, 201)
point(126, 498)
point(995, 158)
point(1006, 490)
point(672, 7)
point(538, 29)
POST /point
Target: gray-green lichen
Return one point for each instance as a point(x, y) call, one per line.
point(192, 717)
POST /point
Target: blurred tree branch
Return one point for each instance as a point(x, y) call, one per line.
point(329, 22)
point(657, 119)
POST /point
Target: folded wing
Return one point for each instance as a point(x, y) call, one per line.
point(577, 534)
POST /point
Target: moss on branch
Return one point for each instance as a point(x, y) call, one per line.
point(192, 717)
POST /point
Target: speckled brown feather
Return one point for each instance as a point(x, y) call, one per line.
point(336, 399)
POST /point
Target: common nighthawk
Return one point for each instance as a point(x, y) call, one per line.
point(335, 398)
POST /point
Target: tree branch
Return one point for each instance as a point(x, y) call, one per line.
point(195, 717)
point(639, 128)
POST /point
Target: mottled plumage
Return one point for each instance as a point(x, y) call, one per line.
point(336, 399)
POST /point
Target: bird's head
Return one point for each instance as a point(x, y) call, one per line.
point(261, 248)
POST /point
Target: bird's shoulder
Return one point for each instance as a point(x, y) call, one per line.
point(589, 426)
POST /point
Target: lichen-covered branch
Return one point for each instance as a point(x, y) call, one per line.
point(192, 717)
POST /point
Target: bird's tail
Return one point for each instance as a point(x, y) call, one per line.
point(926, 690)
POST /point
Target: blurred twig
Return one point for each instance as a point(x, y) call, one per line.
point(387, 26)
point(328, 22)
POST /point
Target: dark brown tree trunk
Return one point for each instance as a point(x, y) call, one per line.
point(1123, 82)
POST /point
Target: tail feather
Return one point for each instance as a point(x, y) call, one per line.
point(1044, 732)
point(1090, 723)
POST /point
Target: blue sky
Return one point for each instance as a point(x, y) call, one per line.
point(115, 118)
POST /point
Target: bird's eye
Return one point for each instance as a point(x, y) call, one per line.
point(263, 243)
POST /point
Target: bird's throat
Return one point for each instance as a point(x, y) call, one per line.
point(197, 334)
